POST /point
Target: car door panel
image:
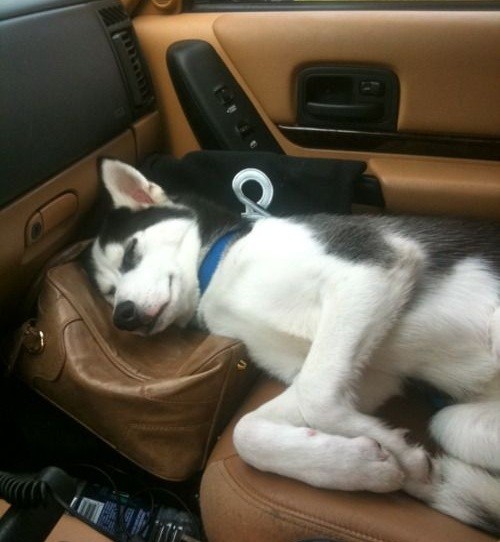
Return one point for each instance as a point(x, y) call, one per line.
point(22, 260)
point(438, 186)
point(446, 63)
point(21, 257)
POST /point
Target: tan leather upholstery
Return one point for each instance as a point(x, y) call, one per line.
point(448, 84)
point(243, 504)
point(439, 186)
point(68, 529)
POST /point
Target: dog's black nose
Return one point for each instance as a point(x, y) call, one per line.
point(126, 316)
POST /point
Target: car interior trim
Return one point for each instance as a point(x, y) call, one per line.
point(393, 142)
point(332, 5)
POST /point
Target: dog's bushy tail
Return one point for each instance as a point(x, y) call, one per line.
point(469, 493)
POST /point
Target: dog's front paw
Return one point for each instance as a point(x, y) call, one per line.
point(414, 460)
point(425, 490)
point(376, 469)
point(371, 449)
point(417, 464)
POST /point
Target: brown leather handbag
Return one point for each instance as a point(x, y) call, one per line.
point(161, 401)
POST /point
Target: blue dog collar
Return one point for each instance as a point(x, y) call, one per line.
point(212, 259)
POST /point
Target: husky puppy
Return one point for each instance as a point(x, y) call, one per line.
point(341, 309)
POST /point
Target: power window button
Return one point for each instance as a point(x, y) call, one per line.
point(224, 95)
point(244, 129)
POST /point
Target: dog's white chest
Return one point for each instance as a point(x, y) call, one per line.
point(267, 293)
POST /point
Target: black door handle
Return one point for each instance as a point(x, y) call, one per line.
point(363, 111)
point(351, 98)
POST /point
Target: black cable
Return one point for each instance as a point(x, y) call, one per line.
point(34, 511)
point(178, 499)
point(149, 491)
point(28, 491)
point(23, 490)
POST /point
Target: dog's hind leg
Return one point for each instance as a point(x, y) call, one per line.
point(468, 493)
point(466, 483)
point(470, 432)
point(495, 334)
point(275, 438)
point(468, 487)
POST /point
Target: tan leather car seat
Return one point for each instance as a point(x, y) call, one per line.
point(242, 504)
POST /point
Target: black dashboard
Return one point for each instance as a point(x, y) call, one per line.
point(72, 79)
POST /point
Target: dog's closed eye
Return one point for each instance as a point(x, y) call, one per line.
point(130, 257)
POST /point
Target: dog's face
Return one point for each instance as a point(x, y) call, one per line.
point(144, 260)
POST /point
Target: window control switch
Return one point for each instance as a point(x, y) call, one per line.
point(224, 95)
point(244, 129)
point(219, 111)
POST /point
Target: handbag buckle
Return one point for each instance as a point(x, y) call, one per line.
point(33, 339)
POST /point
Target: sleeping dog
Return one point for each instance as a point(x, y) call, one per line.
point(343, 309)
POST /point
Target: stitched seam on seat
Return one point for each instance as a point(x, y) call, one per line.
point(256, 497)
point(252, 502)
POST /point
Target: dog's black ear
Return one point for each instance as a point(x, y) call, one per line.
point(128, 187)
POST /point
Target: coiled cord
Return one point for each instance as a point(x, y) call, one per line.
point(23, 490)
point(53, 488)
